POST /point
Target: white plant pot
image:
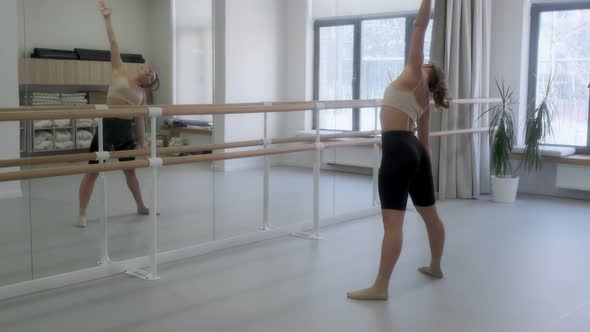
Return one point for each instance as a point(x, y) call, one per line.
point(504, 189)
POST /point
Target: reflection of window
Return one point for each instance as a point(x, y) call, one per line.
point(560, 47)
point(355, 59)
point(193, 37)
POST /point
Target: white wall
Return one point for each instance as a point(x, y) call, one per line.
point(298, 77)
point(219, 76)
point(334, 8)
point(9, 131)
point(510, 19)
point(159, 52)
point(77, 23)
point(21, 27)
point(298, 66)
point(254, 65)
point(253, 49)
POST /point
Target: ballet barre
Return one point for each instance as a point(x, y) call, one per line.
point(156, 160)
point(84, 157)
point(55, 113)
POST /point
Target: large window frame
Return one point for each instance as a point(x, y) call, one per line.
point(357, 22)
point(536, 11)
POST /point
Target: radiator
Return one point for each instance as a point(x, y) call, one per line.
point(573, 177)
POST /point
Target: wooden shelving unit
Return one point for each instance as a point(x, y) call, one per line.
point(63, 76)
point(67, 72)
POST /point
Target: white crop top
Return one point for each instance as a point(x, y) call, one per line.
point(404, 101)
point(122, 90)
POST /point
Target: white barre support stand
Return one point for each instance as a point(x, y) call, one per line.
point(103, 157)
point(155, 163)
point(376, 152)
point(315, 232)
point(265, 208)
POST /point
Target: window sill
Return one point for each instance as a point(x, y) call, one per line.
point(313, 132)
point(575, 159)
point(550, 151)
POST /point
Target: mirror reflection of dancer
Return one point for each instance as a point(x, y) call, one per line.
point(405, 167)
point(125, 89)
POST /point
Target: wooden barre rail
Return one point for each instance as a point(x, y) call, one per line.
point(73, 158)
point(340, 103)
point(82, 157)
point(459, 132)
point(180, 106)
point(81, 169)
point(17, 114)
point(127, 165)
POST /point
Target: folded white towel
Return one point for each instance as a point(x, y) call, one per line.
point(85, 123)
point(84, 135)
point(41, 124)
point(42, 136)
point(62, 123)
point(45, 103)
point(45, 94)
point(77, 94)
point(57, 100)
point(45, 98)
point(84, 144)
point(63, 136)
point(44, 146)
point(67, 145)
point(77, 101)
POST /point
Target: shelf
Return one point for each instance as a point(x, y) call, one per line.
point(576, 159)
point(67, 72)
point(191, 130)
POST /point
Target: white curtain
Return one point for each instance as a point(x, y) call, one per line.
point(461, 45)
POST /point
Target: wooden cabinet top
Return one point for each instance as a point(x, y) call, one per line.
point(67, 72)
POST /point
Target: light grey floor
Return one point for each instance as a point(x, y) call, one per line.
point(521, 267)
point(196, 205)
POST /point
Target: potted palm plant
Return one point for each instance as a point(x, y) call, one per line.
point(538, 128)
point(503, 139)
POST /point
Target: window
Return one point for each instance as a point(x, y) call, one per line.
point(356, 59)
point(193, 54)
point(560, 47)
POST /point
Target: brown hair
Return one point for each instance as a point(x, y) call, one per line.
point(437, 85)
point(154, 85)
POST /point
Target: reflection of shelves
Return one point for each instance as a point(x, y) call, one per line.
point(72, 130)
point(28, 130)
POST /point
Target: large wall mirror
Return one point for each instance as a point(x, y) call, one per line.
point(63, 60)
